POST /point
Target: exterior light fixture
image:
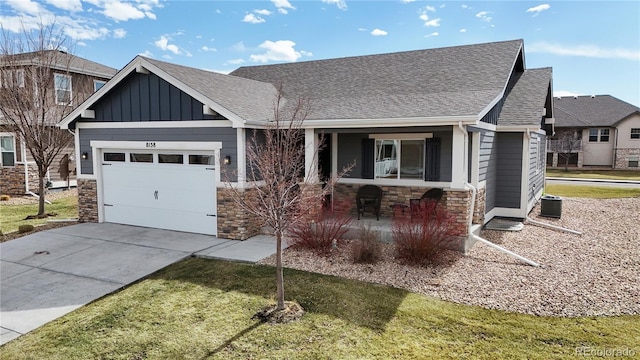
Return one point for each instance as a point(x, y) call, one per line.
point(227, 160)
point(85, 155)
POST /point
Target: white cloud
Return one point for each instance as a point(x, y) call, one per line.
point(146, 53)
point(253, 19)
point(119, 11)
point(208, 49)
point(281, 50)
point(25, 6)
point(407, 1)
point(341, 4)
point(282, 6)
point(378, 32)
point(81, 43)
point(589, 51)
point(432, 34)
point(362, 29)
point(430, 8)
point(264, 12)
point(464, 6)
point(119, 33)
point(432, 23)
point(236, 61)
point(85, 33)
point(484, 16)
point(163, 44)
point(69, 5)
point(538, 9)
point(463, 30)
point(240, 47)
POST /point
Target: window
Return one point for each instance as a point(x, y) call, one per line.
point(635, 133)
point(20, 78)
point(633, 160)
point(143, 158)
point(114, 157)
point(7, 151)
point(97, 84)
point(62, 85)
point(604, 135)
point(409, 154)
point(170, 159)
point(201, 160)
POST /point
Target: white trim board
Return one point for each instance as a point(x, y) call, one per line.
point(154, 124)
point(156, 145)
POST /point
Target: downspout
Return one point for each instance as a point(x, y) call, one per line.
point(473, 201)
point(23, 155)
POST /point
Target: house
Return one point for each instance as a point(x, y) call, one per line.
point(596, 131)
point(68, 80)
point(468, 119)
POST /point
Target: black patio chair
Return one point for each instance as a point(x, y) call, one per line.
point(369, 197)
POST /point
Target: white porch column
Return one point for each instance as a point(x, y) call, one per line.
point(241, 146)
point(310, 155)
point(458, 159)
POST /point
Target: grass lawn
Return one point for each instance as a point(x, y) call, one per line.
point(595, 174)
point(12, 216)
point(594, 192)
point(201, 309)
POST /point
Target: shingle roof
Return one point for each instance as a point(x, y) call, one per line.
point(62, 61)
point(247, 98)
point(526, 98)
point(453, 81)
point(588, 111)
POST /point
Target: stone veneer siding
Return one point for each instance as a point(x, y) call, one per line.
point(87, 200)
point(12, 179)
point(622, 158)
point(456, 202)
point(479, 210)
point(233, 222)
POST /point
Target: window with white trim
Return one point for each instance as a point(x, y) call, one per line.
point(20, 78)
point(7, 150)
point(399, 158)
point(97, 84)
point(635, 133)
point(599, 135)
point(62, 84)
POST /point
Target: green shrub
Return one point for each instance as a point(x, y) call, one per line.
point(367, 248)
point(25, 228)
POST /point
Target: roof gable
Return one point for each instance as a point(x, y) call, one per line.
point(60, 60)
point(526, 97)
point(590, 111)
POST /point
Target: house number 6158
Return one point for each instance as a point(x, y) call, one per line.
point(151, 144)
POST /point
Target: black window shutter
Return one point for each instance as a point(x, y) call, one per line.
point(368, 160)
point(432, 159)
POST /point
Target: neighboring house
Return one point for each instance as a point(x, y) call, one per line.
point(597, 131)
point(72, 79)
point(155, 140)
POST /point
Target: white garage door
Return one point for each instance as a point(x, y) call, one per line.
point(165, 190)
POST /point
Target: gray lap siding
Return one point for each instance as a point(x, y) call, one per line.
point(228, 137)
point(500, 165)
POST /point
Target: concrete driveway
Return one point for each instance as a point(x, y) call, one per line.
point(51, 273)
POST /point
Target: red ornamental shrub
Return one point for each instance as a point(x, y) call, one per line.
point(419, 239)
point(319, 232)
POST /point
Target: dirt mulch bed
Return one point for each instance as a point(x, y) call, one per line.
point(590, 275)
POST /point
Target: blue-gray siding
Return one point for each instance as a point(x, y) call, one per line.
point(509, 170)
point(488, 165)
point(350, 148)
point(537, 157)
point(227, 136)
point(146, 97)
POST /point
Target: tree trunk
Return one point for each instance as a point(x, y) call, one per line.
point(279, 273)
point(41, 190)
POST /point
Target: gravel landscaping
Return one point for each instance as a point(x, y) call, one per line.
point(595, 274)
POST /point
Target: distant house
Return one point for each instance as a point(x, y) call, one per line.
point(468, 119)
point(71, 80)
point(595, 131)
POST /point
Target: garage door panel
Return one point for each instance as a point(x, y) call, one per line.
point(168, 196)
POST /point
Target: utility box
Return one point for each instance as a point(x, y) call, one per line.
point(551, 206)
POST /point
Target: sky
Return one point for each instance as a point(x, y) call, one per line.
point(592, 46)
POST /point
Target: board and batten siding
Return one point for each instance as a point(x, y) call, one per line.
point(228, 137)
point(509, 170)
point(147, 97)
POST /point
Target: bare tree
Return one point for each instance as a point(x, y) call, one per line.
point(35, 93)
point(280, 193)
point(568, 142)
